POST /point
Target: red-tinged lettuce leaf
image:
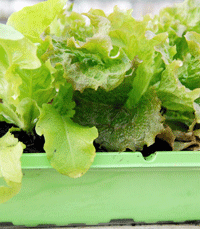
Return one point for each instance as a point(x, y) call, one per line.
point(121, 128)
point(116, 97)
point(86, 52)
point(89, 65)
point(31, 21)
point(69, 146)
point(10, 166)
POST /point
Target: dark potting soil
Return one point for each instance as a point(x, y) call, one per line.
point(35, 143)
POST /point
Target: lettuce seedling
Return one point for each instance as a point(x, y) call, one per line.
point(77, 79)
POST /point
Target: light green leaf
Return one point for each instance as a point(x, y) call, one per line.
point(4, 64)
point(69, 146)
point(9, 114)
point(173, 94)
point(10, 166)
point(122, 20)
point(16, 48)
point(193, 41)
point(28, 112)
point(9, 33)
point(13, 54)
point(99, 21)
point(189, 73)
point(74, 25)
point(148, 69)
point(31, 21)
point(24, 115)
point(167, 52)
point(36, 84)
point(177, 20)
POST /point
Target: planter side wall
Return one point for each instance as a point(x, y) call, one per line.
point(143, 194)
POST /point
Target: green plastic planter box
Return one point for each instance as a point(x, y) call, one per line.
point(119, 186)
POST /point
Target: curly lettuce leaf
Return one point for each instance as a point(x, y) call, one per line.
point(36, 84)
point(26, 81)
point(69, 146)
point(121, 128)
point(25, 92)
point(193, 41)
point(10, 166)
point(71, 25)
point(116, 97)
point(15, 47)
point(31, 21)
point(189, 73)
point(86, 52)
point(150, 67)
point(173, 94)
point(90, 65)
point(176, 21)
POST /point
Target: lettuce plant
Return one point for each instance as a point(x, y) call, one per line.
point(115, 81)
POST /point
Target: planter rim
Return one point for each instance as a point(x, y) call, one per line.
point(161, 159)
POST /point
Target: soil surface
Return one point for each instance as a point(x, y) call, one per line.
point(35, 143)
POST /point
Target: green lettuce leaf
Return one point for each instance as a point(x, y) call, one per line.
point(150, 67)
point(63, 102)
point(69, 25)
point(89, 65)
point(173, 94)
point(179, 120)
point(36, 84)
point(24, 115)
point(26, 81)
point(10, 166)
point(86, 52)
point(176, 21)
point(69, 146)
point(193, 41)
point(121, 128)
point(189, 73)
point(31, 21)
point(15, 47)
